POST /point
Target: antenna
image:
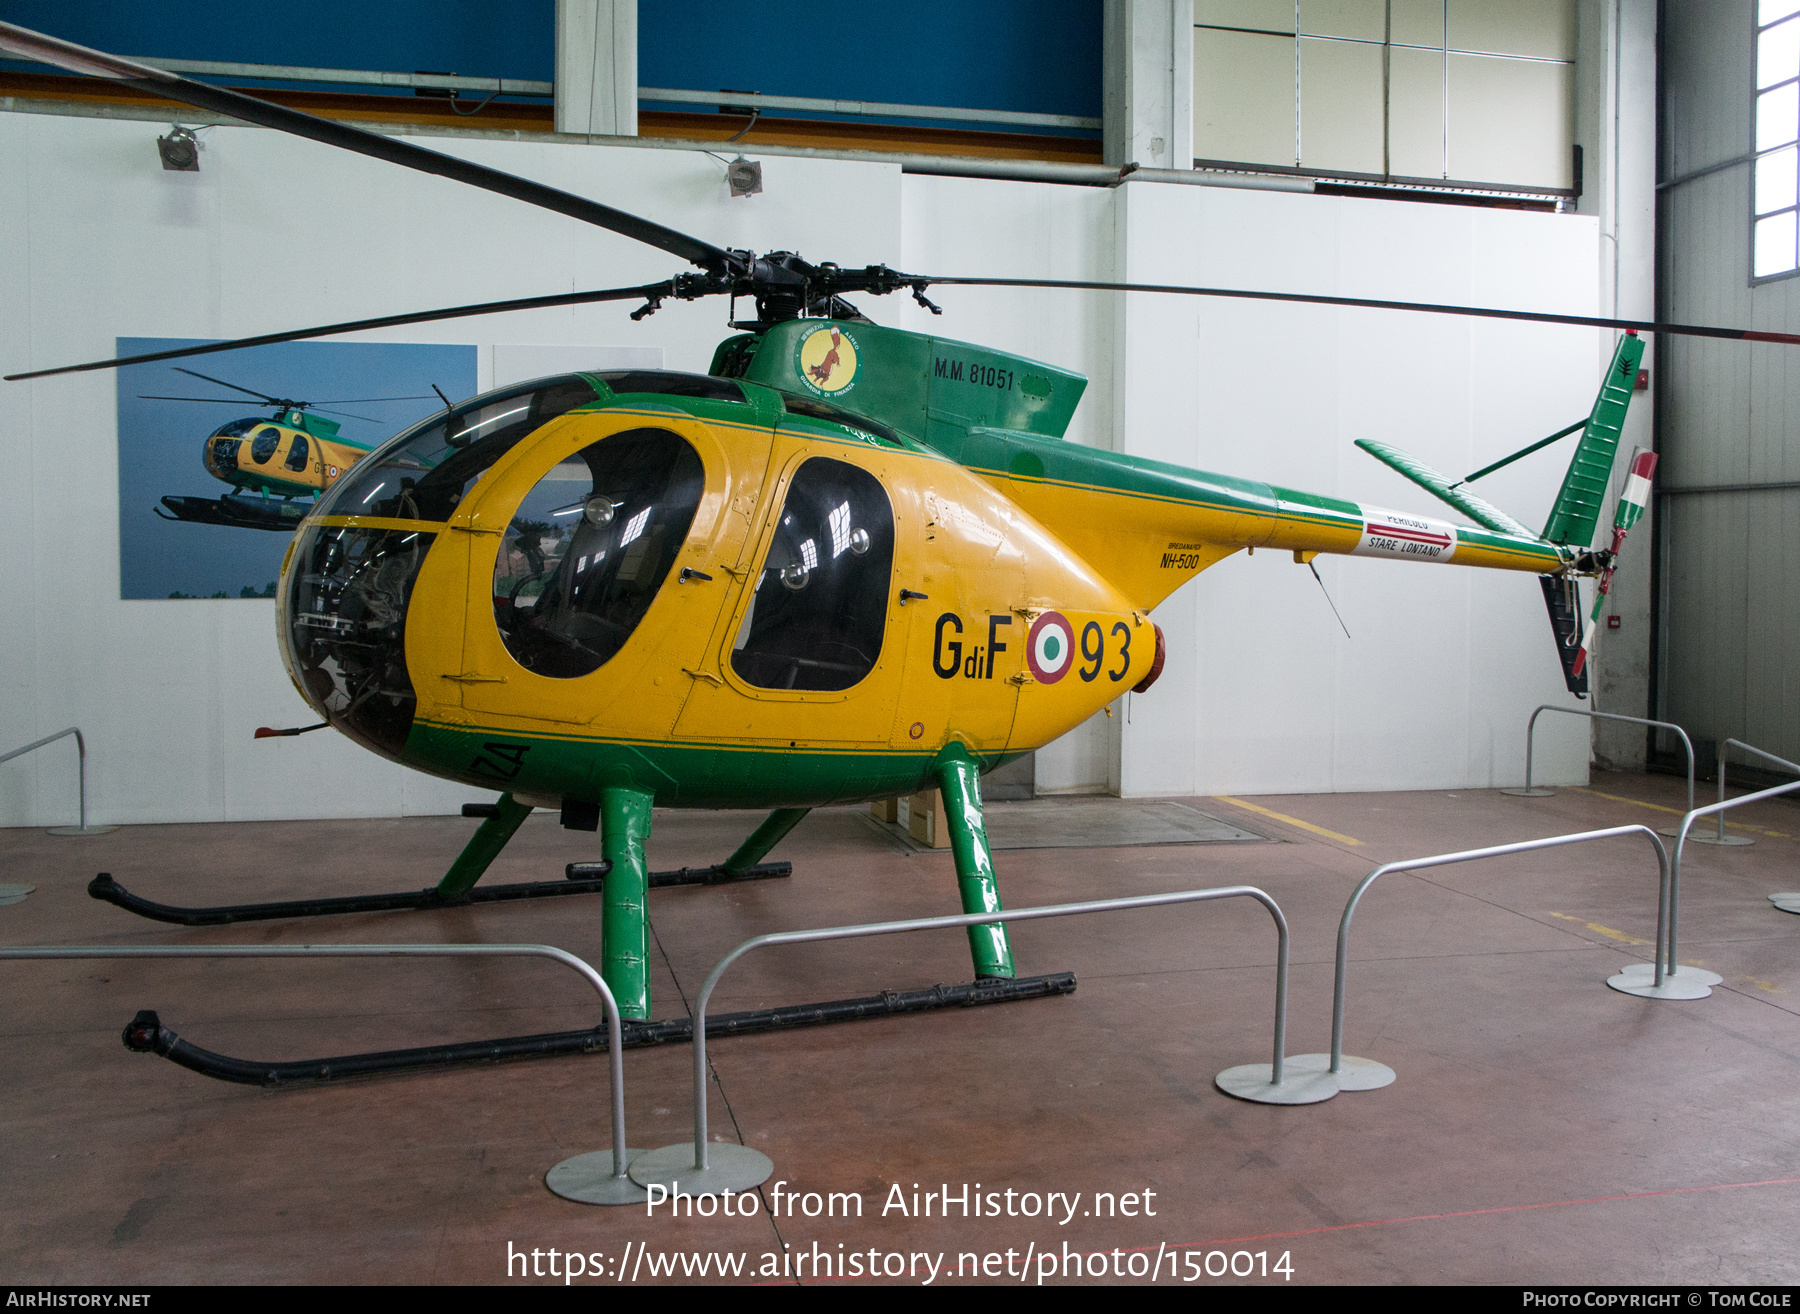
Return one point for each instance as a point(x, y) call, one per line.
point(1328, 602)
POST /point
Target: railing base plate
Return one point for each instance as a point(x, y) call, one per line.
point(1684, 983)
point(1530, 793)
point(1730, 841)
point(81, 830)
point(588, 1179)
point(1250, 1081)
point(1788, 903)
point(1352, 1074)
point(729, 1167)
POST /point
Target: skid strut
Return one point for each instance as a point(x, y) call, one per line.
point(583, 878)
point(147, 1035)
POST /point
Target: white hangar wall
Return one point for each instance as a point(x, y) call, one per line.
point(1262, 693)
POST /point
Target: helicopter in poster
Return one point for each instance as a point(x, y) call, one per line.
point(277, 465)
point(848, 563)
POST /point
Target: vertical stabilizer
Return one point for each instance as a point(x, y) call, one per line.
point(1577, 508)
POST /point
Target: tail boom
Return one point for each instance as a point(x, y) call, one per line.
point(1149, 527)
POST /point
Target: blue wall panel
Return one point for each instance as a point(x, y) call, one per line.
point(1037, 55)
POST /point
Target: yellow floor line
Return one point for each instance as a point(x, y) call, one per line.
point(1291, 821)
point(1606, 931)
point(1658, 807)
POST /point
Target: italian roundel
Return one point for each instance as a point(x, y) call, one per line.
point(1048, 647)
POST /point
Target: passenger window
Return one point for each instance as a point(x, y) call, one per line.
point(590, 546)
point(297, 453)
point(819, 606)
point(263, 446)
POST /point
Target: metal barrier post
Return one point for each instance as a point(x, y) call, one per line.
point(1725, 748)
point(1366, 1074)
point(581, 1178)
point(698, 1167)
point(81, 769)
point(1687, 821)
point(1531, 728)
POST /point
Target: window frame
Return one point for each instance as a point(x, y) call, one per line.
point(789, 464)
point(1756, 156)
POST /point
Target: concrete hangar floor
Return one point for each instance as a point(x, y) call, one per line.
point(1543, 1128)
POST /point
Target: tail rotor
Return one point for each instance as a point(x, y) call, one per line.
point(1633, 498)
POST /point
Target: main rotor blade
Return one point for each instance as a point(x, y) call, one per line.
point(352, 416)
point(221, 382)
point(217, 401)
point(1479, 312)
point(356, 325)
point(31, 45)
point(355, 401)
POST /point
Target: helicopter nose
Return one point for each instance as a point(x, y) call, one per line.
point(345, 599)
point(222, 456)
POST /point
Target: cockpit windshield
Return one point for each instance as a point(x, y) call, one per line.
point(424, 472)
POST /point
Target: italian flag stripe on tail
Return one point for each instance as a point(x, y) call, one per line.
point(1636, 494)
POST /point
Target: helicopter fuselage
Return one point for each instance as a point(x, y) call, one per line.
point(281, 457)
point(830, 608)
point(730, 590)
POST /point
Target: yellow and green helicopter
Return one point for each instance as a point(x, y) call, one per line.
point(287, 459)
point(848, 563)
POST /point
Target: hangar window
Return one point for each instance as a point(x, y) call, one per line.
point(1775, 243)
point(590, 546)
point(1457, 96)
point(818, 609)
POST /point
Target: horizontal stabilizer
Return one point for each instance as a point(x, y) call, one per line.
point(1477, 509)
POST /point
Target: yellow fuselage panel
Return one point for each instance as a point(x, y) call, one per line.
point(1150, 545)
point(955, 665)
point(321, 464)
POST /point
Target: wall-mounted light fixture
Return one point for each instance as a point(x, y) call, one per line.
point(744, 176)
point(180, 150)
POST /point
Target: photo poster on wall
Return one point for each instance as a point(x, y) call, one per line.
point(190, 531)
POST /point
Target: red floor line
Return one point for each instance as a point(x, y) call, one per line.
point(1378, 1222)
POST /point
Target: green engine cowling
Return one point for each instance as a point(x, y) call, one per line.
point(932, 389)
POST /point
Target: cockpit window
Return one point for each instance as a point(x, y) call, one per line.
point(424, 472)
point(819, 608)
point(263, 446)
point(236, 428)
point(590, 546)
